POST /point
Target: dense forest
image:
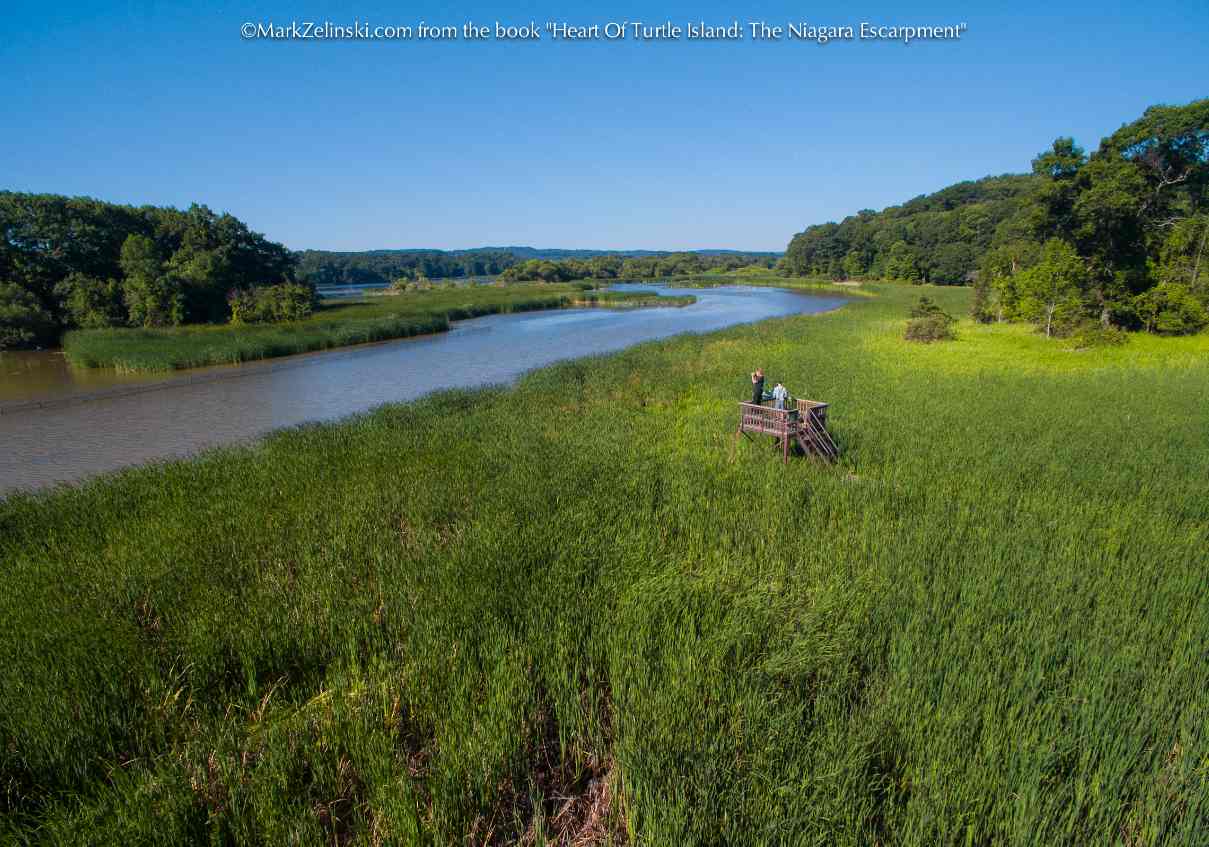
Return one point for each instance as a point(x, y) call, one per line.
point(1116, 239)
point(937, 238)
point(77, 262)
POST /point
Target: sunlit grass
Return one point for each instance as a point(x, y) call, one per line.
point(435, 622)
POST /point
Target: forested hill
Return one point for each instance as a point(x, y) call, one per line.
point(1133, 216)
point(382, 267)
point(1087, 243)
point(936, 238)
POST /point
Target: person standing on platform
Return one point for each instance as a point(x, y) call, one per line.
point(779, 395)
point(757, 386)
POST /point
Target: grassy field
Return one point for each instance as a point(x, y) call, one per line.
point(334, 324)
point(577, 608)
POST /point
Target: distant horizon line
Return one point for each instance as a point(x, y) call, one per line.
point(569, 250)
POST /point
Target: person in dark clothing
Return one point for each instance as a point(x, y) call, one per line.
point(757, 386)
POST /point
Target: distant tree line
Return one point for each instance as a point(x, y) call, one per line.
point(383, 267)
point(386, 267)
point(633, 267)
point(1118, 238)
point(70, 262)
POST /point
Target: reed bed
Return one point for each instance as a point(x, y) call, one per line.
point(577, 609)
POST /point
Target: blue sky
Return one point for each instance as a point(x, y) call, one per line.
point(673, 145)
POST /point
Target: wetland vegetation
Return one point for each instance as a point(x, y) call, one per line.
point(585, 611)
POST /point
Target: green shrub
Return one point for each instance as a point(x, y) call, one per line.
point(1094, 335)
point(931, 328)
point(1171, 309)
point(272, 304)
point(23, 321)
point(926, 308)
point(91, 303)
point(929, 322)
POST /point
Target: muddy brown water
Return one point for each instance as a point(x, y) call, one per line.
point(59, 424)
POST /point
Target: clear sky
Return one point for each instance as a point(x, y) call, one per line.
point(657, 145)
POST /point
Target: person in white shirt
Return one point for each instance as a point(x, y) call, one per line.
point(779, 395)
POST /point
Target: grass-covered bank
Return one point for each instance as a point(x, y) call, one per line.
point(334, 324)
point(569, 607)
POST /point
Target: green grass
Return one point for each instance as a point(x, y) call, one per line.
point(433, 623)
point(334, 324)
point(773, 280)
point(630, 299)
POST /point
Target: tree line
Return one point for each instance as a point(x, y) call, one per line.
point(383, 267)
point(1118, 238)
point(612, 266)
point(68, 262)
point(388, 267)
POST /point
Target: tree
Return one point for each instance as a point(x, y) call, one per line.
point(23, 321)
point(951, 262)
point(853, 265)
point(91, 303)
point(1062, 161)
point(903, 264)
point(1170, 309)
point(1057, 282)
point(67, 252)
point(1184, 255)
point(153, 298)
point(1169, 145)
point(980, 309)
point(289, 301)
point(998, 270)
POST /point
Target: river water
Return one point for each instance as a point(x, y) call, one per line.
point(90, 422)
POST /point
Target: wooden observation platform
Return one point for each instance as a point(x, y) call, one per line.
point(803, 427)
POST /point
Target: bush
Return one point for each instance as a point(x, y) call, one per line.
point(925, 308)
point(23, 321)
point(929, 322)
point(1171, 309)
point(272, 304)
point(1094, 335)
point(931, 328)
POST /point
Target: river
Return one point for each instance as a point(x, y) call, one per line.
point(89, 422)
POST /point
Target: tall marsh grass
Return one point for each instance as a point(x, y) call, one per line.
point(579, 607)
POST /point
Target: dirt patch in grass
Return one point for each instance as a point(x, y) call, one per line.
point(564, 803)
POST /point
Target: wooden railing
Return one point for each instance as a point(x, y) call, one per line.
point(768, 421)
